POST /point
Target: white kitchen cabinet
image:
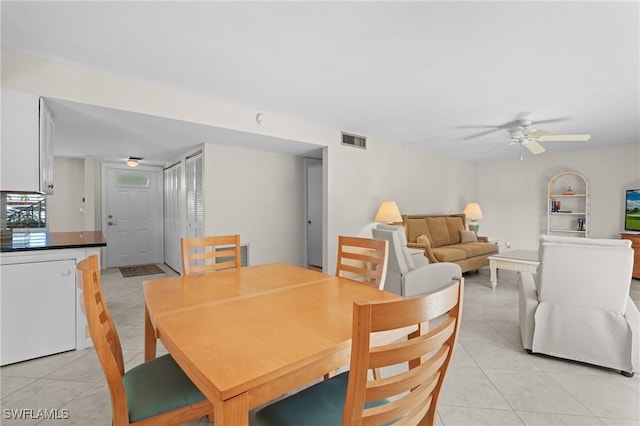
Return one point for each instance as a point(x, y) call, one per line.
point(46, 149)
point(27, 144)
point(20, 145)
point(38, 315)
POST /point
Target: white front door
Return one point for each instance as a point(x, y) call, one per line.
point(132, 215)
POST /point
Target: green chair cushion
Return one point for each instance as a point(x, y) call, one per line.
point(158, 386)
point(321, 404)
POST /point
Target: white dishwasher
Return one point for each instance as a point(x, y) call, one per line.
point(38, 309)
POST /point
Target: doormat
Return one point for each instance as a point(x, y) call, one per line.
point(139, 270)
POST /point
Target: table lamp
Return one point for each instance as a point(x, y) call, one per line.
point(388, 212)
point(473, 213)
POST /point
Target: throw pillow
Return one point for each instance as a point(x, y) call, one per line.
point(468, 237)
point(422, 239)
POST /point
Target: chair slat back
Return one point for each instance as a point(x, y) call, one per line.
point(104, 336)
point(210, 254)
point(363, 259)
point(412, 391)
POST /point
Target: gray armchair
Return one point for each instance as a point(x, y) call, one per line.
point(578, 307)
point(409, 275)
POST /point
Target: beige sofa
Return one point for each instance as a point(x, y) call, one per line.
point(444, 238)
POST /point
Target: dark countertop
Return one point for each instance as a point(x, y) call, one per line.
point(28, 241)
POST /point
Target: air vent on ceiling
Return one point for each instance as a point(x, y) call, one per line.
point(354, 140)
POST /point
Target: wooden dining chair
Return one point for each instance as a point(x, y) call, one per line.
point(157, 392)
point(362, 259)
point(210, 254)
point(409, 392)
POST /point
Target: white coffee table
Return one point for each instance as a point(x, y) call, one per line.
point(515, 260)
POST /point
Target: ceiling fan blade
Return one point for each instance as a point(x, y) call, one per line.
point(477, 135)
point(564, 138)
point(551, 120)
point(479, 126)
point(538, 133)
point(534, 147)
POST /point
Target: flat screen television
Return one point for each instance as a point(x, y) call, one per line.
point(632, 210)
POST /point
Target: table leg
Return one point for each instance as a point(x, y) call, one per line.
point(149, 337)
point(494, 273)
point(234, 411)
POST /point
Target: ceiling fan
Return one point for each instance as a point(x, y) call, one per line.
point(521, 133)
point(531, 138)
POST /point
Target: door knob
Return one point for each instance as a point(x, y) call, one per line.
point(111, 223)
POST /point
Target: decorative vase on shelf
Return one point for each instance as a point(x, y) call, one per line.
point(569, 191)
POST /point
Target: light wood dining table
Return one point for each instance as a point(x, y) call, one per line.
point(249, 335)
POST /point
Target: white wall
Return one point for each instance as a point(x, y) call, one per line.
point(419, 182)
point(355, 180)
point(65, 207)
point(259, 195)
point(93, 194)
point(513, 193)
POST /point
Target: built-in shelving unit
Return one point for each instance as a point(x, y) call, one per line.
point(568, 205)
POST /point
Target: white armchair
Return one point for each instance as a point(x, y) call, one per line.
point(409, 275)
point(578, 307)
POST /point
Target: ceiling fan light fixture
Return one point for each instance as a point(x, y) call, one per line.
point(524, 122)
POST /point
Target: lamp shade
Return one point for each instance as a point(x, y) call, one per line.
point(388, 212)
point(473, 211)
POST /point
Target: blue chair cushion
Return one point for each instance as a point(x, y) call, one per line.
point(321, 404)
point(158, 386)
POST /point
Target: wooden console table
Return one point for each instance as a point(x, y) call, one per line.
point(635, 245)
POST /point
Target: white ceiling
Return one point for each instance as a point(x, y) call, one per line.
point(421, 73)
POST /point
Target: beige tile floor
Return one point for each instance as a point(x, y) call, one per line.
point(492, 381)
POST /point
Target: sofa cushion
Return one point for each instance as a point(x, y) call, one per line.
point(483, 248)
point(454, 226)
point(489, 248)
point(449, 254)
point(415, 228)
point(468, 236)
point(439, 231)
point(471, 249)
